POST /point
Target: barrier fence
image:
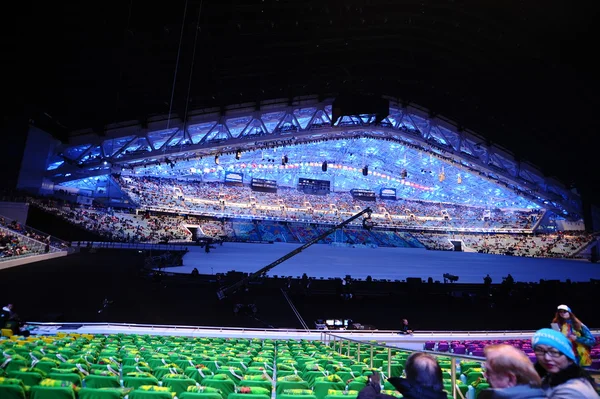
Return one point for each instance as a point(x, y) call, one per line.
point(344, 345)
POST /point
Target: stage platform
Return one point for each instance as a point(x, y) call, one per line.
point(325, 261)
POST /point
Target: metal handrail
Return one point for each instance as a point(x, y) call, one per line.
point(295, 330)
point(326, 339)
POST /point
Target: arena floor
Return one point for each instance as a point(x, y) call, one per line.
point(323, 260)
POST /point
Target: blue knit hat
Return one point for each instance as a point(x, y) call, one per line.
point(555, 339)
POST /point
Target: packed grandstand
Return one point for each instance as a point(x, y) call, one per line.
point(171, 210)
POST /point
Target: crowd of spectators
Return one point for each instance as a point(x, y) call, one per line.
point(119, 225)
point(219, 199)
point(17, 239)
point(171, 210)
point(560, 245)
point(10, 245)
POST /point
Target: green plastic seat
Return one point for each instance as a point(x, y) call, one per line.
point(12, 392)
point(197, 374)
point(247, 396)
point(321, 388)
point(287, 396)
point(29, 378)
point(139, 394)
point(101, 381)
point(45, 366)
point(196, 395)
point(257, 383)
point(135, 382)
point(71, 377)
point(283, 385)
point(100, 393)
point(40, 392)
point(178, 385)
point(226, 386)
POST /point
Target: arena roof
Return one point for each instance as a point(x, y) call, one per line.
point(422, 157)
point(491, 67)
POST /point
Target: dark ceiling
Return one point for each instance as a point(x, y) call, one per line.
point(522, 73)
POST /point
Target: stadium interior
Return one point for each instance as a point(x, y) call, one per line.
point(262, 236)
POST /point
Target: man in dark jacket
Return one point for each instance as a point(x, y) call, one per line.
point(423, 378)
point(405, 329)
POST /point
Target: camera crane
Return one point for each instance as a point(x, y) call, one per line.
point(234, 287)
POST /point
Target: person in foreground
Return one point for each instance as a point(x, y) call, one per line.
point(511, 374)
point(580, 336)
point(423, 378)
point(563, 378)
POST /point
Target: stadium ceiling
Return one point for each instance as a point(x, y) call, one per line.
point(517, 72)
point(408, 141)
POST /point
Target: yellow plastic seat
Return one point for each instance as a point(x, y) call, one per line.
point(7, 332)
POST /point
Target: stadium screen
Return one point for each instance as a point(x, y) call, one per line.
point(364, 195)
point(234, 178)
point(388, 193)
point(264, 185)
point(313, 186)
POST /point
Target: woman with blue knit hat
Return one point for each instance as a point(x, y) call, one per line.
point(564, 378)
point(580, 336)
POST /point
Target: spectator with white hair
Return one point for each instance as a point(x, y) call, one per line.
point(511, 374)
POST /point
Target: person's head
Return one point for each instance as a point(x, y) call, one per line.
point(564, 313)
point(404, 321)
point(553, 350)
point(507, 366)
point(423, 369)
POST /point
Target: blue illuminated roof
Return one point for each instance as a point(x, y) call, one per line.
point(442, 163)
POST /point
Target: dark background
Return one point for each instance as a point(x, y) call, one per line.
point(522, 74)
